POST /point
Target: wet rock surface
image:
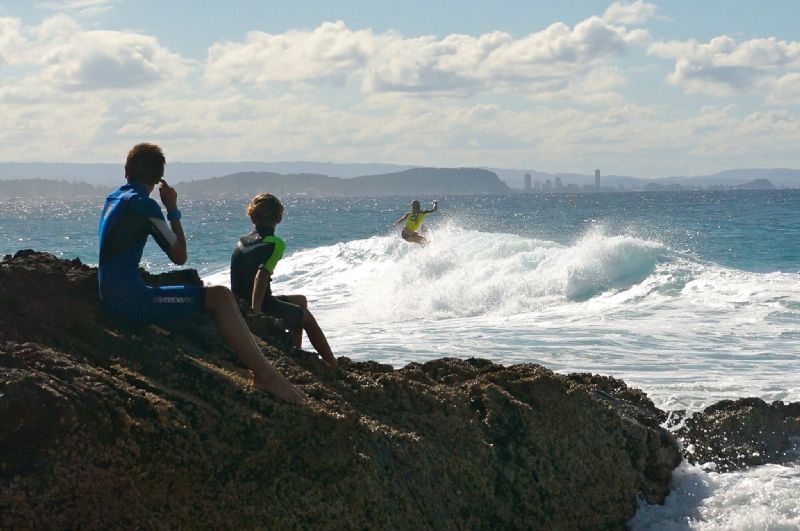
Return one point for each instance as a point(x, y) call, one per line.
point(103, 425)
point(736, 434)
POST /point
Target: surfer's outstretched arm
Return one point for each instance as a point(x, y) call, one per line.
point(432, 210)
point(405, 217)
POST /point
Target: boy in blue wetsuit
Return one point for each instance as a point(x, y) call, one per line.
point(129, 217)
point(252, 264)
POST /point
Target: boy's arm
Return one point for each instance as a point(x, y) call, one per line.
point(169, 197)
point(177, 253)
point(259, 289)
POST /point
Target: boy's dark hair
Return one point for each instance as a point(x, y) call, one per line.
point(265, 209)
point(145, 164)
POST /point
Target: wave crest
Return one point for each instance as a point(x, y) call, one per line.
point(465, 273)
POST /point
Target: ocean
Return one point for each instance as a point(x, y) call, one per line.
point(693, 297)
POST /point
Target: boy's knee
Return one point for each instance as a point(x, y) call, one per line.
point(216, 295)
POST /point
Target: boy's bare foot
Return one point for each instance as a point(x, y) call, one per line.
point(280, 387)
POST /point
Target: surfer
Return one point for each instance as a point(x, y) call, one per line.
point(252, 264)
point(129, 217)
point(413, 227)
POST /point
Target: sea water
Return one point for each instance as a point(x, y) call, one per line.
point(693, 297)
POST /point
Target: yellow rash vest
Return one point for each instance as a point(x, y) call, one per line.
point(414, 222)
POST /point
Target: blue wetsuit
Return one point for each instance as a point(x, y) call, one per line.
point(129, 216)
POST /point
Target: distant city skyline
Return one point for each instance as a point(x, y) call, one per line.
point(641, 88)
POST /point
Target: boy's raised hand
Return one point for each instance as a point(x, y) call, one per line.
point(168, 196)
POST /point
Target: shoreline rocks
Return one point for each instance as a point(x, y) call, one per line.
point(104, 425)
point(737, 434)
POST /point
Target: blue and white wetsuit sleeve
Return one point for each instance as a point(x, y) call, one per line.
point(158, 226)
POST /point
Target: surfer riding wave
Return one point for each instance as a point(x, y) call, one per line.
point(413, 227)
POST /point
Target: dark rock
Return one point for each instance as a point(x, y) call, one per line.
point(736, 434)
point(103, 425)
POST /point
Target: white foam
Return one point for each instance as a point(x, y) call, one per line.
point(466, 273)
point(688, 332)
point(760, 498)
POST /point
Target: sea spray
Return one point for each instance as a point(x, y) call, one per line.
point(466, 273)
point(672, 324)
point(764, 497)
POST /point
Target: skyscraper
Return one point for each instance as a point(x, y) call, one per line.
point(527, 181)
point(597, 179)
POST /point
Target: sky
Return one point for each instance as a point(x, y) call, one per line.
point(633, 88)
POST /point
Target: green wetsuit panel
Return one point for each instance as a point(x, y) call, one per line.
point(277, 252)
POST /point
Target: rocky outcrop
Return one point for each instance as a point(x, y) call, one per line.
point(735, 434)
point(103, 425)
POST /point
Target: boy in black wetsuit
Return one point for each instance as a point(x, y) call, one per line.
point(252, 263)
point(128, 218)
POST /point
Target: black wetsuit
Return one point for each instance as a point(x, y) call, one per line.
point(261, 249)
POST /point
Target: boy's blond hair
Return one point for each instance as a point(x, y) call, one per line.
point(265, 209)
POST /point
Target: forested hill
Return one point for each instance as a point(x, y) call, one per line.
point(38, 188)
point(416, 181)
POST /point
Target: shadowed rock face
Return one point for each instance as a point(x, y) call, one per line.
point(103, 425)
point(736, 434)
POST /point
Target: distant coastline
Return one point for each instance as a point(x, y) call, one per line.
point(407, 181)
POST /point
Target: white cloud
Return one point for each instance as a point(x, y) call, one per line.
point(59, 54)
point(52, 31)
point(71, 94)
point(11, 38)
point(550, 61)
point(787, 89)
point(230, 125)
point(724, 67)
point(630, 13)
point(85, 8)
point(331, 51)
point(110, 60)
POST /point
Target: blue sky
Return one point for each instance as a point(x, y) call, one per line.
point(641, 88)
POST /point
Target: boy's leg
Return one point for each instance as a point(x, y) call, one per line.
point(297, 332)
point(297, 318)
point(318, 340)
point(220, 302)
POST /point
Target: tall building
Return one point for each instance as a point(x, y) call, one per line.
point(527, 181)
point(597, 179)
point(547, 185)
point(558, 183)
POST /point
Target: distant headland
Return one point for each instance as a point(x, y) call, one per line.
point(319, 179)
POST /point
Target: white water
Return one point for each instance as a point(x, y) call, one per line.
point(688, 332)
point(763, 498)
